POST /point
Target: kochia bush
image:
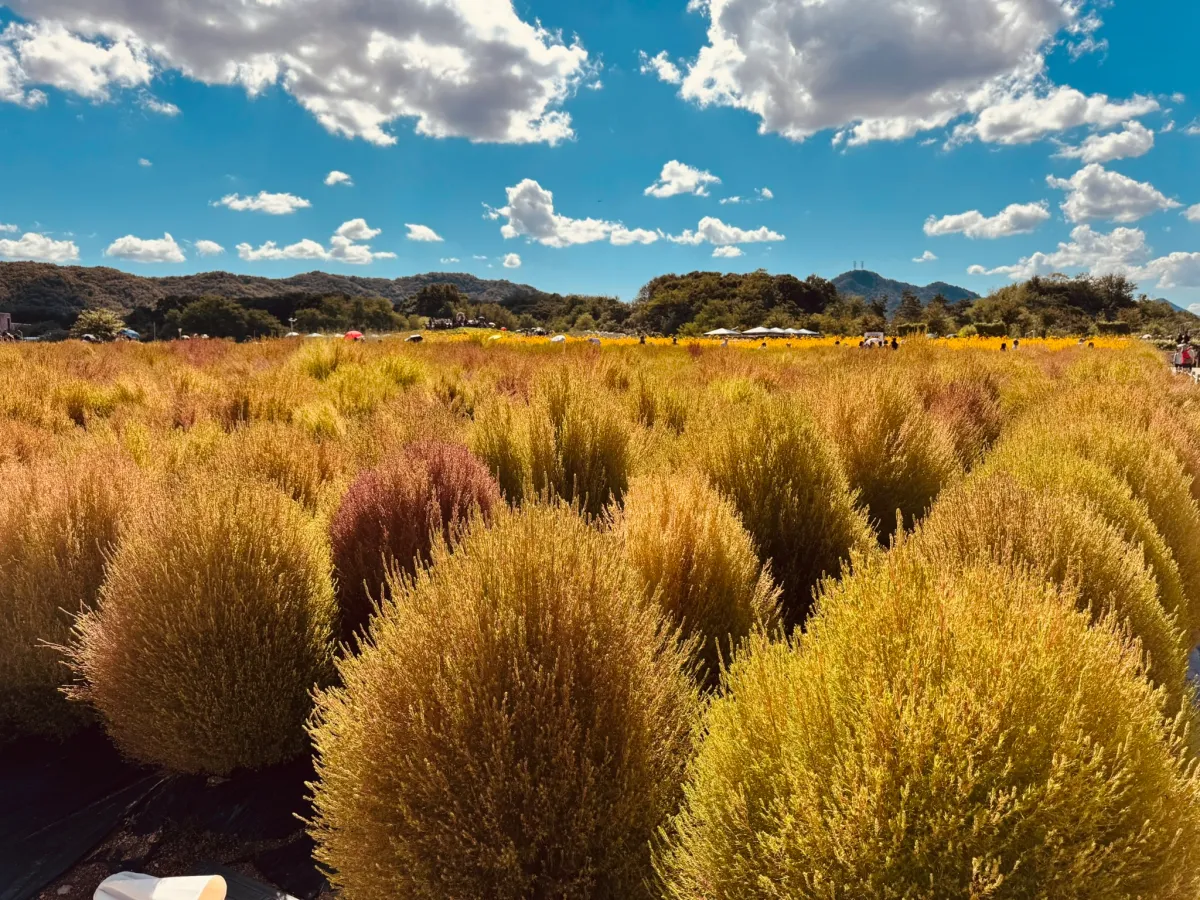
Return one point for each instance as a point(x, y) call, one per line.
point(213, 626)
point(392, 514)
point(517, 725)
point(938, 734)
point(784, 478)
point(1063, 539)
point(58, 521)
point(688, 546)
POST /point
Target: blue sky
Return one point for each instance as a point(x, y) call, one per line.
point(1003, 137)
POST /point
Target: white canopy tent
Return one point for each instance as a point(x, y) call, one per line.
point(723, 332)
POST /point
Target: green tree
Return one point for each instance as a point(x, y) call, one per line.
point(909, 309)
point(438, 301)
point(222, 317)
point(101, 323)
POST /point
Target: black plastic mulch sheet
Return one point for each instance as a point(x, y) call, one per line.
point(79, 801)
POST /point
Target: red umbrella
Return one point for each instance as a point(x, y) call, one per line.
point(354, 335)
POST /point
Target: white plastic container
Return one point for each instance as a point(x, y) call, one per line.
point(134, 886)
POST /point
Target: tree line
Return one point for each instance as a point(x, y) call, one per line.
point(685, 305)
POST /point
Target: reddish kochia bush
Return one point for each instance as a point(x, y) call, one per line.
point(392, 514)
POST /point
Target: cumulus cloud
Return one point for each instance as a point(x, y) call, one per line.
point(716, 232)
point(530, 213)
point(48, 54)
point(271, 204)
point(1193, 130)
point(38, 248)
point(446, 260)
point(1034, 114)
point(927, 256)
point(209, 248)
point(346, 246)
point(421, 233)
point(727, 252)
point(1018, 218)
point(1123, 251)
point(512, 261)
point(734, 199)
point(357, 230)
point(1135, 140)
point(146, 250)
point(336, 177)
point(766, 194)
point(145, 163)
point(1097, 193)
point(9, 229)
point(890, 69)
point(459, 68)
point(1176, 270)
point(1192, 213)
point(679, 178)
point(1119, 251)
point(660, 65)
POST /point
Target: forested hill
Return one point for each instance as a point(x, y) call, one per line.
point(871, 284)
point(36, 292)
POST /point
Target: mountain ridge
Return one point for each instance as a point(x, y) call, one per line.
point(868, 284)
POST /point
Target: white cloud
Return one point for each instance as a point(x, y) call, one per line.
point(39, 248)
point(766, 194)
point(460, 68)
point(1018, 218)
point(150, 103)
point(146, 250)
point(727, 252)
point(512, 261)
point(530, 213)
point(1192, 213)
point(357, 230)
point(889, 69)
point(679, 178)
point(1136, 140)
point(621, 236)
point(717, 232)
point(927, 256)
point(1193, 129)
point(660, 65)
point(145, 163)
point(209, 248)
point(271, 204)
point(476, 256)
point(1176, 270)
point(7, 229)
point(48, 54)
point(446, 260)
point(1119, 251)
point(1032, 115)
point(421, 233)
point(1097, 193)
point(346, 246)
point(336, 177)
point(733, 199)
point(305, 249)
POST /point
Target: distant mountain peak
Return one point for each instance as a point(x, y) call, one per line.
point(869, 284)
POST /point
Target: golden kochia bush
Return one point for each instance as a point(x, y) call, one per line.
point(214, 625)
point(579, 443)
point(516, 727)
point(896, 456)
point(968, 408)
point(783, 476)
point(392, 514)
point(939, 734)
point(1058, 537)
point(58, 520)
point(500, 438)
point(688, 546)
point(1047, 466)
point(1154, 475)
